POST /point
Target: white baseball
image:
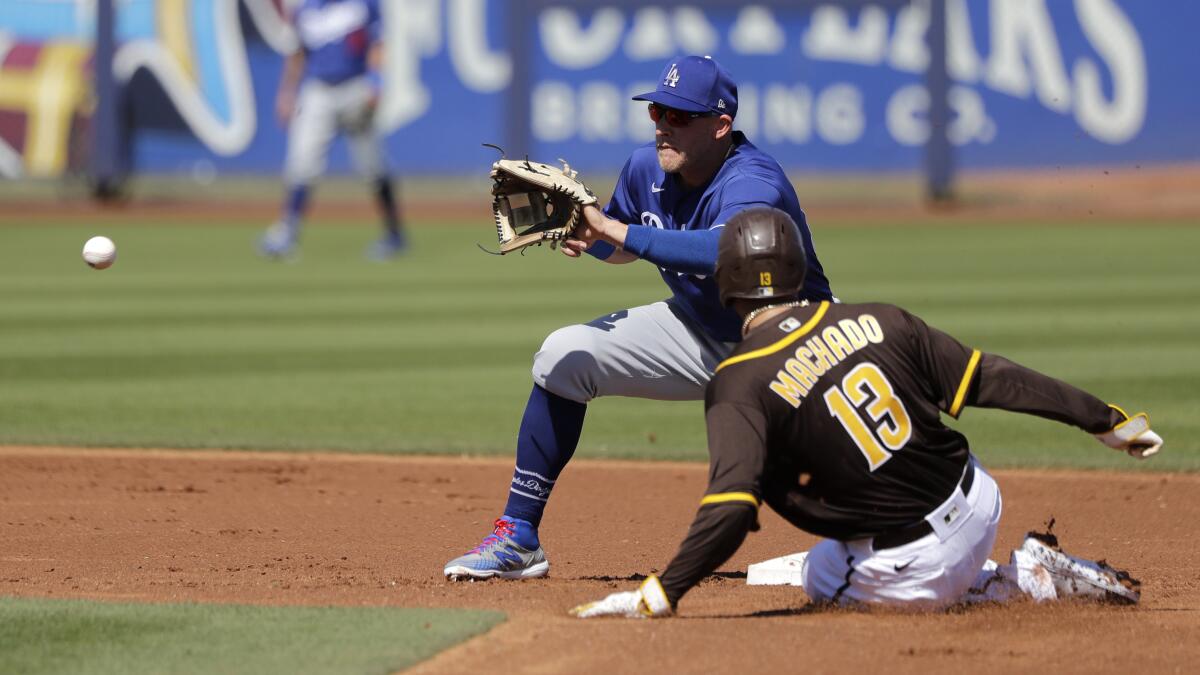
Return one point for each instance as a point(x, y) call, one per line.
point(99, 252)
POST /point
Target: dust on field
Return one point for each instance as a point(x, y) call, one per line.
point(313, 529)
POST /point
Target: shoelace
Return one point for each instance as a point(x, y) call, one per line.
point(504, 528)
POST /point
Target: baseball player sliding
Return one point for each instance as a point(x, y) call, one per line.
point(671, 200)
point(336, 71)
point(830, 414)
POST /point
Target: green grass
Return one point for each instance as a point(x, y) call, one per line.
point(71, 636)
point(192, 341)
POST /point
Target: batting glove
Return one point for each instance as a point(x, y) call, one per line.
point(1133, 436)
point(647, 602)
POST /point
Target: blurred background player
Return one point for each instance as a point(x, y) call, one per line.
point(831, 414)
point(331, 85)
point(671, 200)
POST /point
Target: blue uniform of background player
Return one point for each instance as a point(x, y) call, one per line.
point(671, 200)
point(331, 85)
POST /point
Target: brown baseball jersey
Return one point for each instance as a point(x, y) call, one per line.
point(831, 414)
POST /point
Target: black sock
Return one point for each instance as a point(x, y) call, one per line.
point(386, 196)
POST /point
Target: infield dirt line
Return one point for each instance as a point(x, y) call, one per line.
point(289, 456)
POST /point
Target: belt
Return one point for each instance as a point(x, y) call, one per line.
point(911, 533)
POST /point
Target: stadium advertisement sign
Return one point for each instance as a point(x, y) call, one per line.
point(824, 87)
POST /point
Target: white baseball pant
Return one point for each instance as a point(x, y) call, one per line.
point(322, 112)
point(932, 572)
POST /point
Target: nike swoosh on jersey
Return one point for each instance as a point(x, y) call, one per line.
point(901, 568)
point(655, 188)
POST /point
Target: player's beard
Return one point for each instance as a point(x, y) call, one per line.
point(670, 159)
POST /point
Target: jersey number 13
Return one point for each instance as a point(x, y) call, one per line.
point(882, 424)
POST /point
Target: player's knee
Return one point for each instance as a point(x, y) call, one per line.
point(823, 571)
point(300, 175)
point(565, 365)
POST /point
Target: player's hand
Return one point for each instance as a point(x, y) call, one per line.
point(647, 602)
point(373, 99)
point(595, 227)
point(1133, 436)
point(585, 234)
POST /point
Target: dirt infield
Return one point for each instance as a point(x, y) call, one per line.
point(367, 530)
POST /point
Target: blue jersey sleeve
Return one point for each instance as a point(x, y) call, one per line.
point(687, 251)
point(695, 251)
point(374, 21)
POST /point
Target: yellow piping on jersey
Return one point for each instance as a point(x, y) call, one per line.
point(723, 497)
point(771, 349)
point(964, 385)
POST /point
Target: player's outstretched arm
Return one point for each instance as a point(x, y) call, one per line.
point(683, 251)
point(716, 534)
point(727, 513)
point(1010, 386)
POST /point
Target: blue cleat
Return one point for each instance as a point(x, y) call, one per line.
point(390, 246)
point(511, 551)
point(279, 241)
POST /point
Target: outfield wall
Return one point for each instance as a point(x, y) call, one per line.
point(1036, 83)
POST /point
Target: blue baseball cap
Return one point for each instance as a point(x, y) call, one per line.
point(695, 84)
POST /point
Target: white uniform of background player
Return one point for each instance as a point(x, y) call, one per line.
point(331, 86)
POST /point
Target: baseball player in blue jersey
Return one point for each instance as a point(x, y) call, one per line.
point(331, 85)
point(670, 202)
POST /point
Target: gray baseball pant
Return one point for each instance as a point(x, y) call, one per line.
point(654, 351)
point(322, 112)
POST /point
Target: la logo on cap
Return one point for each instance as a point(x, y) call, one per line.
point(672, 76)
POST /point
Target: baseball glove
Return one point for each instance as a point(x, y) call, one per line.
point(535, 203)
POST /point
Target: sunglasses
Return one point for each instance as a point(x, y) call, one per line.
point(675, 118)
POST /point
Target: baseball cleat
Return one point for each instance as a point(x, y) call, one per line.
point(1080, 578)
point(390, 246)
point(511, 551)
point(279, 241)
point(1031, 576)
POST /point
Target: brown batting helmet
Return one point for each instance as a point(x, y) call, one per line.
point(760, 256)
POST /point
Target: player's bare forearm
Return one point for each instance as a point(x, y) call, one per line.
point(599, 227)
point(289, 82)
point(574, 248)
point(620, 258)
point(293, 68)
